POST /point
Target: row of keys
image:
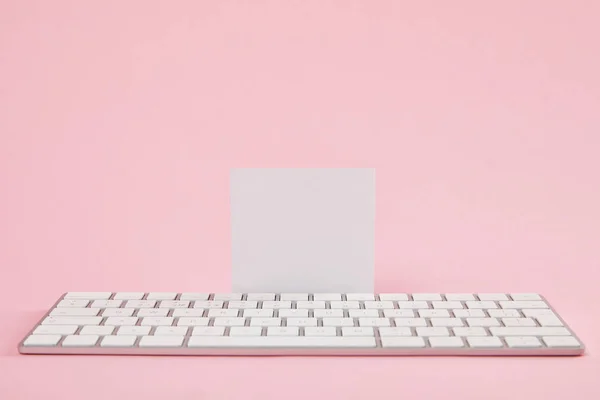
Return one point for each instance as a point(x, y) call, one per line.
point(293, 321)
point(302, 296)
point(293, 330)
point(300, 341)
point(326, 317)
point(311, 304)
point(545, 314)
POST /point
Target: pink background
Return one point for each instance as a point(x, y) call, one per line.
point(120, 120)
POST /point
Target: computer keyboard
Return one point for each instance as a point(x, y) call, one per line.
point(301, 324)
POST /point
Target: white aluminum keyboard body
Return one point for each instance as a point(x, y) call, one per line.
point(301, 324)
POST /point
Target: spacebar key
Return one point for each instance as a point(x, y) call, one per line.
point(281, 342)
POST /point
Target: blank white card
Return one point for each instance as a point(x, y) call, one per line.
point(303, 230)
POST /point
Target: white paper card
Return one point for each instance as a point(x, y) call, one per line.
point(303, 230)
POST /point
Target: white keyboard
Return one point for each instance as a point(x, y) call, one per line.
point(301, 324)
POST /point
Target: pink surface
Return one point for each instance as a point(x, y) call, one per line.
point(119, 122)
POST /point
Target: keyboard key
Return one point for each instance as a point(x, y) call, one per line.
point(265, 322)
point(301, 322)
point(133, 330)
point(194, 296)
point(477, 313)
point(561, 341)
point(459, 297)
point(298, 313)
point(261, 296)
point(446, 342)
point(222, 312)
point(360, 296)
point(140, 304)
point(161, 296)
point(224, 321)
point(72, 321)
point(157, 321)
point(209, 304)
point(75, 312)
point(121, 321)
point(118, 341)
point(129, 295)
point(522, 342)
point(243, 304)
point(484, 342)
point(481, 304)
point(537, 312)
point(387, 331)
point(549, 320)
point(320, 313)
point(277, 304)
point(373, 322)
point(426, 296)
point(161, 341)
point(282, 342)
point(264, 312)
point(245, 331)
point(42, 340)
point(413, 304)
point(434, 313)
point(529, 331)
point(523, 304)
point(193, 321)
point(118, 312)
point(153, 312)
point(446, 322)
point(97, 330)
point(518, 322)
point(55, 329)
point(393, 297)
point(310, 304)
point(492, 296)
point(378, 304)
point(483, 322)
point(294, 296)
point(260, 312)
point(501, 313)
point(171, 330)
point(463, 331)
point(338, 322)
point(188, 312)
point(358, 331)
point(283, 331)
point(80, 341)
point(396, 313)
point(227, 296)
point(345, 304)
point(208, 331)
point(174, 304)
point(402, 342)
point(106, 303)
point(525, 296)
point(410, 322)
point(446, 304)
point(432, 331)
point(320, 331)
point(72, 303)
point(364, 313)
point(88, 295)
